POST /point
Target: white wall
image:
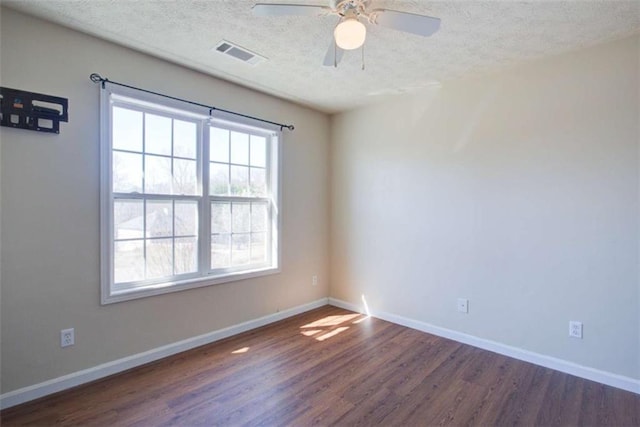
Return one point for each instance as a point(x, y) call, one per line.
point(50, 218)
point(519, 191)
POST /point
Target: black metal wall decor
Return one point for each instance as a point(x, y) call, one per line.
point(32, 111)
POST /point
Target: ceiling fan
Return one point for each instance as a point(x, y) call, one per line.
point(350, 32)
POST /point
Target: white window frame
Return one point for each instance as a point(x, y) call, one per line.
point(205, 276)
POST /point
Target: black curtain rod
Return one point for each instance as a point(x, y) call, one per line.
point(96, 78)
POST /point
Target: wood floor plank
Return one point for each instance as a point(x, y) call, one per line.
point(561, 404)
point(333, 367)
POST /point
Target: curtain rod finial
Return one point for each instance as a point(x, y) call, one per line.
point(97, 78)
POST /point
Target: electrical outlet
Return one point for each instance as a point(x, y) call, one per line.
point(314, 280)
point(463, 305)
point(67, 337)
point(575, 329)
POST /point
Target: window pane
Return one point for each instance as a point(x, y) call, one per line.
point(185, 177)
point(127, 129)
point(128, 261)
point(186, 218)
point(184, 139)
point(258, 182)
point(127, 219)
point(219, 179)
point(220, 251)
point(241, 217)
point(220, 218)
point(157, 201)
point(258, 248)
point(157, 176)
point(219, 145)
point(159, 219)
point(186, 255)
point(159, 258)
point(259, 216)
point(258, 151)
point(240, 249)
point(239, 181)
point(239, 148)
point(157, 134)
point(127, 172)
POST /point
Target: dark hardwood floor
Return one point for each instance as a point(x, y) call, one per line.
point(333, 367)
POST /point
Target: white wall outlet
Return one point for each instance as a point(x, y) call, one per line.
point(575, 329)
point(314, 280)
point(67, 337)
point(463, 305)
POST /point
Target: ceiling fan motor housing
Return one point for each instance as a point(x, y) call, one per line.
point(351, 8)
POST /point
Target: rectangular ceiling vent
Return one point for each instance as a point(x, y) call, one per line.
point(239, 53)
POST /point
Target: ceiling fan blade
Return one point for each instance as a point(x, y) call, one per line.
point(421, 25)
point(333, 56)
point(266, 9)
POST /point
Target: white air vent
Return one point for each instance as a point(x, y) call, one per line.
point(239, 53)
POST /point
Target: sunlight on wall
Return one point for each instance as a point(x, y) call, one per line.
point(366, 306)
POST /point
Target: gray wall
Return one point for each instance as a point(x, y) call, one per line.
point(518, 191)
point(50, 218)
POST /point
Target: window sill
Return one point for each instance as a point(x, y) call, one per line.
point(170, 287)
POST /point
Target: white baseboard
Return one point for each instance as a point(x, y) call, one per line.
point(603, 377)
point(45, 388)
point(87, 375)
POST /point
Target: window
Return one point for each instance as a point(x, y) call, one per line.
point(187, 199)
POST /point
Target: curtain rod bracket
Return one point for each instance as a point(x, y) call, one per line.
point(95, 77)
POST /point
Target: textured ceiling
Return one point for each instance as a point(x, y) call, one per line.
point(475, 37)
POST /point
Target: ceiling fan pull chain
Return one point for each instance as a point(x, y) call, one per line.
point(335, 54)
point(363, 57)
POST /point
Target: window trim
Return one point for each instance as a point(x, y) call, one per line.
point(205, 276)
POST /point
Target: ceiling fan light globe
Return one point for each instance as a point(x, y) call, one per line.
point(350, 34)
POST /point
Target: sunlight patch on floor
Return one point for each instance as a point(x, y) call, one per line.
point(332, 333)
point(362, 319)
point(327, 327)
point(331, 321)
point(240, 350)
